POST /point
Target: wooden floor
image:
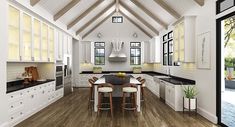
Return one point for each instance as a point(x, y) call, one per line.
point(72, 111)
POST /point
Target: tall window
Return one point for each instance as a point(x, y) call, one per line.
point(168, 49)
point(99, 53)
point(135, 53)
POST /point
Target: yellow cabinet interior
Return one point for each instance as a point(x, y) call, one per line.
point(27, 37)
point(37, 40)
point(13, 34)
point(44, 43)
point(51, 44)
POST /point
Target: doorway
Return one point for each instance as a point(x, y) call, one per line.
point(225, 72)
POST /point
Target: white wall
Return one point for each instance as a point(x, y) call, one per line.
point(3, 58)
point(111, 32)
point(205, 79)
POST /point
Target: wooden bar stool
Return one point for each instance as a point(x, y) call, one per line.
point(102, 89)
point(139, 78)
point(91, 94)
point(132, 90)
point(142, 81)
point(95, 78)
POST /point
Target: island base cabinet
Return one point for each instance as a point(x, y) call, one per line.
point(24, 103)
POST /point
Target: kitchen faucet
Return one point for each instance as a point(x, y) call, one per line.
point(169, 72)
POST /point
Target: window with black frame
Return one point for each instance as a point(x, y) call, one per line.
point(135, 53)
point(99, 53)
point(168, 49)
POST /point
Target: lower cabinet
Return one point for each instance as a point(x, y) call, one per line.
point(151, 84)
point(174, 96)
point(24, 103)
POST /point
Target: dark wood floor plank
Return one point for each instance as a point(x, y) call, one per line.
point(72, 111)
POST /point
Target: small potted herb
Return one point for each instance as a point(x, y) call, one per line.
point(190, 93)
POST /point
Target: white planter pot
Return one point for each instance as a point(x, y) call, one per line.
point(230, 71)
point(192, 103)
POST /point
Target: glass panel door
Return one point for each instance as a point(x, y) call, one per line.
point(13, 34)
point(51, 44)
point(37, 40)
point(44, 44)
point(27, 37)
point(181, 41)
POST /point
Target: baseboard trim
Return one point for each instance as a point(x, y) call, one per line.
point(207, 115)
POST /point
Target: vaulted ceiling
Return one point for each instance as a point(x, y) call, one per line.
point(84, 16)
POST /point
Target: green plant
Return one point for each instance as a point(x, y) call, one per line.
point(229, 62)
point(190, 91)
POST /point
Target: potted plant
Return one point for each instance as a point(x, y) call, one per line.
point(190, 101)
point(229, 67)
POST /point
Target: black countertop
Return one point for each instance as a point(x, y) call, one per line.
point(19, 85)
point(173, 80)
point(151, 73)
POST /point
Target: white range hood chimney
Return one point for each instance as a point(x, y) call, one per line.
point(117, 54)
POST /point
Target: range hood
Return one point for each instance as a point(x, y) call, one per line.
point(117, 54)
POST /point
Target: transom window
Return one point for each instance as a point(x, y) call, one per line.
point(99, 53)
point(135, 53)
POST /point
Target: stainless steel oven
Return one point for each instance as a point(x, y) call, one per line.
point(59, 76)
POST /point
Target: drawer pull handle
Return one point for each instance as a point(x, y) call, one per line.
point(21, 102)
point(21, 93)
point(12, 106)
point(11, 96)
point(21, 113)
point(12, 118)
point(32, 96)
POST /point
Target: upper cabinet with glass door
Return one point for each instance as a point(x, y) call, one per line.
point(184, 40)
point(27, 38)
point(36, 40)
point(44, 43)
point(51, 44)
point(13, 34)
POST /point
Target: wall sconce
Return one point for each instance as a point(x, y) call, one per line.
point(135, 35)
point(99, 35)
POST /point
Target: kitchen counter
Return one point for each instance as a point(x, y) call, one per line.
point(178, 81)
point(18, 85)
point(151, 73)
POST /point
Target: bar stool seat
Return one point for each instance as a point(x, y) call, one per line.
point(105, 89)
point(129, 89)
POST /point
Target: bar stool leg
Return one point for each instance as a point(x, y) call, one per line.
point(135, 102)
point(99, 103)
point(142, 92)
point(111, 104)
point(123, 101)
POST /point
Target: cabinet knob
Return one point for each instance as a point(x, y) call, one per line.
point(21, 113)
point(12, 118)
point(11, 96)
point(21, 93)
point(21, 102)
point(12, 106)
point(32, 96)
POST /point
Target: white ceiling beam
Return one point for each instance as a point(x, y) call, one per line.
point(34, 2)
point(149, 13)
point(65, 9)
point(85, 13)
point(200, 2)
point(139, 18)
point(97, 25)
point(168, 8)
point(137, 25)
point(95, 18)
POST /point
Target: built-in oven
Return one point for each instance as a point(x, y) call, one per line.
point(59, 76)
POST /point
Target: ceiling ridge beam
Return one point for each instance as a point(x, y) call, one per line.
point(94, 18)
point(168, 8)
point(137, 25)
point(97, 25)
point(139, 18)
point(200, 2)
point(149, 13)
point(85, 13)
point(65, 9)
point(34, 2)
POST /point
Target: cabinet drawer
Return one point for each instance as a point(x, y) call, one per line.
point(16, 117)
point(13, 106)
point(16, 95)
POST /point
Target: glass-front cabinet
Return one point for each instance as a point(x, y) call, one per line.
point(44, 43)
point(27, 37)
point(51, 43)
point(36, 40)
point(13, 34)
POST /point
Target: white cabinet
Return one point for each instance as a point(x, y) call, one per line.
point(59, 45)
point(67, 44)
point(86, 52)
point(184, 39)
point(152, 50)
point(174, 96)
point(151, 84)
point(29, 39)
point(24, 103)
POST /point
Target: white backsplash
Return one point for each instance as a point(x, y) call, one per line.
point(15, 70)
